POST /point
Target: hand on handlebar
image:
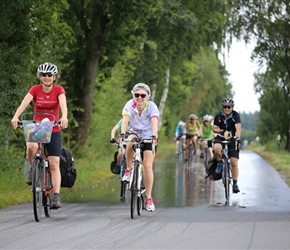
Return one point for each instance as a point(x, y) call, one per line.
point(113, 140)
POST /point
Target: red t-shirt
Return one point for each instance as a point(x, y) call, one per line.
point(46, 102)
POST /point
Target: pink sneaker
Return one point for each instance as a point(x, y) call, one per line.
point(126, 176)
point(149, 205)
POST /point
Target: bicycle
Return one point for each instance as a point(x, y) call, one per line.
point(40, 133)
point(136, 179)
point(227, 169)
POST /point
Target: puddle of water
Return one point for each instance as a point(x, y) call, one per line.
point(176, 185)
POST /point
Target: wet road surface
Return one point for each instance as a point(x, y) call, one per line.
point(190, 214)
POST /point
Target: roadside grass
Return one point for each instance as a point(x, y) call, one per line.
point(279, 160)
point(14, 190)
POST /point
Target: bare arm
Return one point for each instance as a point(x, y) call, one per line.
point(154, 122)
point(125, 122)
point(63, 107)
point(25, 102)
point(113, 131)
point(238, 130)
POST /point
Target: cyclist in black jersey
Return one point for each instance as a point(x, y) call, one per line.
point(228, 121)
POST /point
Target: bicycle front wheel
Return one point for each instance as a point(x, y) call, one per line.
point(134, 188)
point(37, 188)
point(227, 181)
point(47, 193)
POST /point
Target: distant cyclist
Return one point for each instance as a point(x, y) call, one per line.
point(228, 120)
point(192, 129)
point(179, 134)
point(207, 135)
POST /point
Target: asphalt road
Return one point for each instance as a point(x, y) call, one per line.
point(190, 214)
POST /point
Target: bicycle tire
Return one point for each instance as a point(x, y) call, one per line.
point(206, 157)
point(227, 181)
point(140, 204)
point(134, 188)
point(47, 194)
point(37, 188)
point(123, 191)
point(140, 186)
point(190, 153)
point(123, 183)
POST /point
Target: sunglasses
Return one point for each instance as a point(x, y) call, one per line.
point(227, 107)
point(142, 95)
point(46, 74)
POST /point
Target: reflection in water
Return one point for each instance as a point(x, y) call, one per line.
point(176, 185)
point(182, 184)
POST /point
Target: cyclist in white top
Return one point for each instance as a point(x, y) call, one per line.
point(143, 116)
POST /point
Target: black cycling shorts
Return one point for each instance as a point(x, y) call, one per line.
point(233, 151)
point(54, 147)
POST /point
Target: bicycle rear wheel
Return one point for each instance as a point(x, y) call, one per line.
point(47, 194)
point(37, 188)
point(134, 188)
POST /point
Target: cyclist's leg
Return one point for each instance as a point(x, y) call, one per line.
point(120, 155)
point(129, 159)
point(148, 159)
point(209, 145)
point(234, 158)
point(217, 148)
point(31, 149)
point(53, 151)
point(194, 140)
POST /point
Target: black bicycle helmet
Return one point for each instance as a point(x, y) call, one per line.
point(228, 102)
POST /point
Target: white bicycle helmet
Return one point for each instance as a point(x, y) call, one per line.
point(47, 68)
point(206, 118)
point(141, 85)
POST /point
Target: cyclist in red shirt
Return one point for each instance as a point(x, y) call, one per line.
point(47, 97)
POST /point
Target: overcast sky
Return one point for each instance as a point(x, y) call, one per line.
point(241, 69)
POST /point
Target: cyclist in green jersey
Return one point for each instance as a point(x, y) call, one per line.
point(207, 135)
point(117, 128)
point(193, 132)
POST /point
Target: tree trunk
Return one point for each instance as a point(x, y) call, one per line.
point(93, 44)
point(164, 97)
